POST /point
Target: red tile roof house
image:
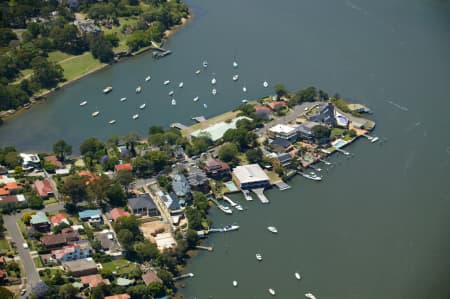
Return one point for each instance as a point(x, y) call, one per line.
point(58, 219)
point(125, 166)
point(93, 280)
point(118, 212)
point(275, 104)
point(8, 185)
point(216, 169)
point(262, 111)
point(66, 236)
point(119, 296)
point(54, 161)
point(150, 277)
point(89, 176)
point(43, 188)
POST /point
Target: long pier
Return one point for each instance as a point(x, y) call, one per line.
point(178, 126)
point(187, 275)
point(260, 193)
point(199, 119)
point(208, 248)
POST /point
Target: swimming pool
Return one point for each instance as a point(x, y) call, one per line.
point(339, 143)
point(231, 186)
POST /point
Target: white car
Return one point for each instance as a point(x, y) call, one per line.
point(25, 245)
point(306, 108)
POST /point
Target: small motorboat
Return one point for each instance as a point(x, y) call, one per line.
point(83, 103)
point(111, 122)
point(136, 116)
point(181, 85)
point(142, 106)
point(196, 99)
point(214, 91)
point(375, 139)
point(244, 101)
point(171, 93)
point(235, 77)
point(272, 292)
point(213, 81)
point(297, 275)
point(244, 89)
point(229, 228)
point(197, 72)
point(311, 176)
point(272, 229)
point(235, 64)
point(310, 296)
point(205, 106)
point(235, 283)
point(258, 257)
point(265, 84)
point(166, 82)
point(239, 208)
point(107, 89)
point(138, 89)
point(123, 99)
point(205, 63)
point(96, 113)
point(148, 78)
point(174, 102)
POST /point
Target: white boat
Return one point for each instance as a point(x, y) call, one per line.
point(205, 63)
point(227, 199)
point(259, 257)
point(136, 116)
point(197, 72)
point(147, 78)
point(225, 209)
point(181, 85)
point(171, 93)
point(235, 77)
point(272, 292)
point(96, 113)
point(244, 101)
point(310, 296)
point(205, 106)
point(375, 139)
point(174, 102)
point(123, 99)
point(142, 106)
point(166, 82)
point(235, 283)
point(83, 103)
point(272, 229)
point(111, 122)
point(235, 64)
point(196, 99)
point(311, 176)
point(107, 89)
point(214, 91)
point(138, 89)
point(239, 208)
point(297, 275)
point(244, 89)
point(213, 81)
point(229, 228)
point(265, 84)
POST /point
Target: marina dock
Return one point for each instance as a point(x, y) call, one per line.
point(208, 248)
point(187, 275)
point(199, 119)
point(325, 162)
point(224, 209)
point(227, 199)
point(282, 186)
point(178, 126)
point(247, 195)
point(343, 152)
point(260, 193)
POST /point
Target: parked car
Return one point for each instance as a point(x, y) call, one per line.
point(25, 245)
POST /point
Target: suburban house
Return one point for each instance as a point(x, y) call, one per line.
point(53, 161)
point(81, 267)
point(198, 180)
point(274, 105)
point(40, 222)
point(180, 185)
point(72, 252)
point(91, 216)
point(285, 159)
point(3, 170)
point(58, 219)
point(117, 213)
point(93, 280)
point(12, 199)
point(250, 177)
point(30, 161)
point(263, 112)
point(283, 131)
point(304, 130)
point(8, 185)
point(108, 242)
point(279, 145)
point(66, 236)
point(150, 277)
point(216, 169)
point(43, 188)
point(125, 166)
point(323, 113)
point(171, 202)
point(88, 176)
point(119, 296)
point(87, 26)
point(143, 205)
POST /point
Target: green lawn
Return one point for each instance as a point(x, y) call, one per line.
point(4, 245)
point(37, 262)
point(273, 177)
point(21, 226)
point(120, 266)
point(118, 30)
point(336, 132)
point(50, 201)
point(79, 65)
point(57, 56)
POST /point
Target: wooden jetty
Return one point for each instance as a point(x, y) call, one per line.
point(187, 275)
point(208, 248)
point(199, 119)
point(178, 126)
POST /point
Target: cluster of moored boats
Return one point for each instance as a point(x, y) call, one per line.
point(173, 101)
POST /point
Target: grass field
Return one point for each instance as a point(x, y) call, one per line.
point(79, 65)
point(273, 177)
point(57, 56)
point(37, 262)
point(4, 246)
point(118, 30)
point(120, 266)
point(222, 117)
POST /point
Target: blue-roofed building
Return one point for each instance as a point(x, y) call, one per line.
point(92, 216)
point(39, 221)
point(180, 185)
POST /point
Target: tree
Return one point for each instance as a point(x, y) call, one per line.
point(98, 190)
point(228, 152)
point(320, 132)
point(6, 294)
point(62, 149)
point(155, 130)
point(6, 35)
point(68, 291)
point(194, 217)
point(146, 250)
point(156, 289)
point(280, 90)
point(191, 238)
point(46, 74)
point(12, 159)
point(254, 155)
point(200, 201)
point(75, 188)
point(92, 148)
point(116, 196)
point(36, 203)
point(67, 39)
point(102, 49)
point(124, 178)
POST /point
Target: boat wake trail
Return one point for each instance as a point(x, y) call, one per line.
point(413, 126)
point(352, 5)
point(403, 108)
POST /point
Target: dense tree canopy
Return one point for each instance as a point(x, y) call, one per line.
point(62, 149)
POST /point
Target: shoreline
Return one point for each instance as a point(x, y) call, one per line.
point(40, 98)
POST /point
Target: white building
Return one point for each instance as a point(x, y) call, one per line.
point(72, 252)
point(250, 177)
point(283, 131)
point(30, 161)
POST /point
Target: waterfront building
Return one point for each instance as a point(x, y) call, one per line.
point(250, 177)
point(30, 161)
point(304, 130)
point(324, 114)
point(279, 145)
point(285, 159)
point(216, 169)
point(283, 132)
point(180, 185)
point(274, 105)
point(198, 180)
point(150, 277)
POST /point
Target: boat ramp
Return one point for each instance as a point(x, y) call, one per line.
point(260, 193)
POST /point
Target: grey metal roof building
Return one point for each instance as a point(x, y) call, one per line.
point(180, 185)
